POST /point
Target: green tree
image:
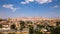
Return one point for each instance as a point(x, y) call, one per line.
point(31, 29)
point(38, 28)
point(1, 26)
point(30, 26)
point(1, 20)
point(13, 26)
point(57, 30)
point(29, 22)
point(57, 23)
point(22, 23)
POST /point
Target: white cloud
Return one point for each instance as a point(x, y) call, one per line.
point(27, 1)
point(10, 6)
point(39, 1)
point(56, 6)
point(43, 1)
point(23, 2)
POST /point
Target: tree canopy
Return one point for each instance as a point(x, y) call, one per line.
point(1, 26)
point(13, 26)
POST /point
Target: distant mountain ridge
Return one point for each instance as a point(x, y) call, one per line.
point(34, 18)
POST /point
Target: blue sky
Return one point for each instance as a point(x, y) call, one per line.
point(29, 8)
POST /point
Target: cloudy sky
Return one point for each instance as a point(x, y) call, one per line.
point(29, 8)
